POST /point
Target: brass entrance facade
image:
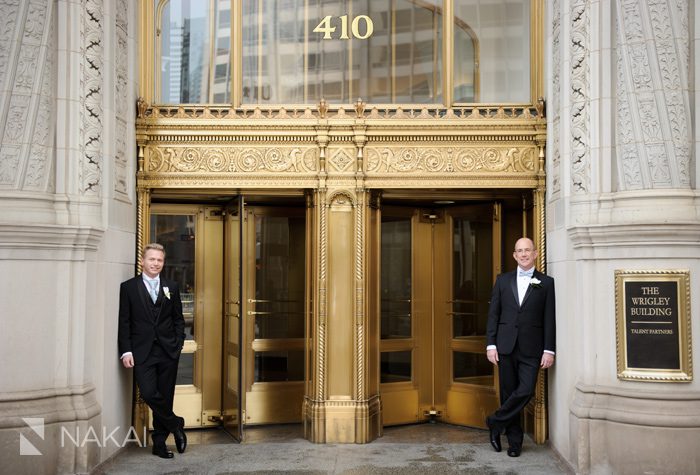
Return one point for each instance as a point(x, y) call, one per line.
point(247, 295)
point(244, 120)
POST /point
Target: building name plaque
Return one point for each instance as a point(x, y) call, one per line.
point(653, 325)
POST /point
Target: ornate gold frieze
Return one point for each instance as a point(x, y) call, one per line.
point(415, 159)
point(208, 159)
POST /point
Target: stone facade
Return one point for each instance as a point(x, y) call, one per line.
point(621, 142)
point(67, 222)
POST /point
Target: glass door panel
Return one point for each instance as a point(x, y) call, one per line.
point(177, 234)
point(437, 268)
point(191, 236)
point(231, 394)
point(396, 359)
point(472, 390)
point(275, 241)
point(396, 278)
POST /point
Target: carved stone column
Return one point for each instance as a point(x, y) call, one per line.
point(653, 94)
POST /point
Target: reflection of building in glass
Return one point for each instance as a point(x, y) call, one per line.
point(502, 30)
point(185, 53)
point(286, 62)
point(193, 63)
point(171, 63)
point(221, 92)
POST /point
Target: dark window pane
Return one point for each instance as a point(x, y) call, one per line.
point(273, 366)
point(395, 366)
point(396, 278)
point(279, 277)
point(177, 234)
point(185, 369)
point(472, 263)
point(472, 368)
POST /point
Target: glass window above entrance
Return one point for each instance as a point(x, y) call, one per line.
point(194, 40)
point(297, 52)
point(491, 51)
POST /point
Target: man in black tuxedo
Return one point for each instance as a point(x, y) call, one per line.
point(151, 335)
point(520, 339)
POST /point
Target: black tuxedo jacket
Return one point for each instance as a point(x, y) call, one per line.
point(531, 325)
point(141, 322)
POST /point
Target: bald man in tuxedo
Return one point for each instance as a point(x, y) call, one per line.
point(520, 339)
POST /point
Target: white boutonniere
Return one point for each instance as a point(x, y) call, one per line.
point(535, 282)
point(166, 291)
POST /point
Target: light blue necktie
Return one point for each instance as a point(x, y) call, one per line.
point(522, 273)
point(153, 289)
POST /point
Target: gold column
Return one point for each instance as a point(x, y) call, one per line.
point(539, 231)
point(314, 414)
point(140, 411)
point(342, 402)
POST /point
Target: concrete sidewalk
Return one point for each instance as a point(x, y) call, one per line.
point(420, 449)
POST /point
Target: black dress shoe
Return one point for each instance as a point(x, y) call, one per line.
point(494, 435)
point(180, 438)
point(514, 451)
point(162, 451)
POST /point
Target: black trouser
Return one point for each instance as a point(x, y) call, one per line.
point(517, 377)
point(156, 379)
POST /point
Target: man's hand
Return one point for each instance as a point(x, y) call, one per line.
point(128, 361)
point(492, 355)
point(547, 360)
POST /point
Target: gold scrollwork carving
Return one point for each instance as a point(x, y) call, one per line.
point(447, 159)
point(232, 159)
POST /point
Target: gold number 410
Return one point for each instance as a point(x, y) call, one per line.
point(325, 27)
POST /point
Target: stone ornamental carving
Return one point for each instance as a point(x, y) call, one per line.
point(39, 170)
point(9, 10)
point(121, 99)
point(27, 68)
point(555, 150)
point(579, 95)
point(92, 83)
point(652, 82)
